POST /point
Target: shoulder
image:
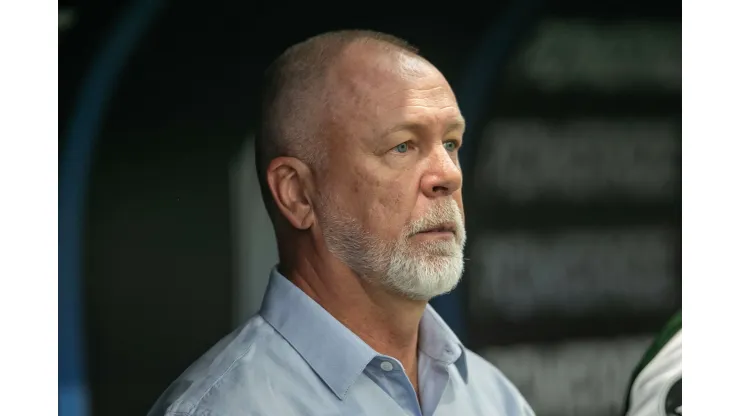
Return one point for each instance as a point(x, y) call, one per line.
point(489, 382)
point(233, 375)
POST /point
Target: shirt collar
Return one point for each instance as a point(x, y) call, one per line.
point(334, 352)
point(437, 340)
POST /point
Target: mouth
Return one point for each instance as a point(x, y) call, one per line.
point(447, 227)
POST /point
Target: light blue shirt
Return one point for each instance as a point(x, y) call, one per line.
point(295, 359)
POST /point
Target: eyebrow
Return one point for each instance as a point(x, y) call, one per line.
point(456, 124)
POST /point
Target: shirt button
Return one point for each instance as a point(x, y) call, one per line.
point(386, 366)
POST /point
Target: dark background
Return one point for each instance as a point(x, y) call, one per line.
point(158, 244)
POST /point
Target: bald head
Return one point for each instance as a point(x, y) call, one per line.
point(307, 88)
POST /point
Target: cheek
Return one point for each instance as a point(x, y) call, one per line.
point(386, 205)
point(459, 200)
point(390, 198)
point(399, 201)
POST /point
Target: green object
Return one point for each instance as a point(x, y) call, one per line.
point(665, 335)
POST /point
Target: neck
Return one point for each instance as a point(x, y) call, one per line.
point(387, 322)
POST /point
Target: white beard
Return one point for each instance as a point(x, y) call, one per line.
point(418, 270)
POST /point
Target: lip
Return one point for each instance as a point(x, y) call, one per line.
point(447, 227)
point(445, 230)
point(434, 236)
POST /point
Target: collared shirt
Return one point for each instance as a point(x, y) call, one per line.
point(294, 358)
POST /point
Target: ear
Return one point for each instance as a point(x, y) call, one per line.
point(290, 182)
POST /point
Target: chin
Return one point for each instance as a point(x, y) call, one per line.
point(427, 294)
point(425, 279)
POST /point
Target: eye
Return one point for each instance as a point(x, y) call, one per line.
point(450, 145)
point(402, 148)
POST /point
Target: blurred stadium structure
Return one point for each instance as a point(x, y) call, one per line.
point(572, 189)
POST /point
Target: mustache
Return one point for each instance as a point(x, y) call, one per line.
point(444, 216)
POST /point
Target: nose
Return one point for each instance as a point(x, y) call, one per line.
point(443, 175)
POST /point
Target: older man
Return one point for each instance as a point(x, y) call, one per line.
point(358, 162)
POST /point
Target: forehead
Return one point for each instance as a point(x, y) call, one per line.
point(377, 90)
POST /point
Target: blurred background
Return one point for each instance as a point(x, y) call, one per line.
point(572, 164)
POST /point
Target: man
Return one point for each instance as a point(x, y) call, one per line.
point(655, 388)
point(357, 157)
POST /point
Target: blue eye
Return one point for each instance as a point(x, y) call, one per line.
point(450, 145)
point(402, 148)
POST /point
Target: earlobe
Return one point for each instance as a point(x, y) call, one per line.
point(287, 178)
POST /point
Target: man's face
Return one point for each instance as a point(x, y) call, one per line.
point(391, 201)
